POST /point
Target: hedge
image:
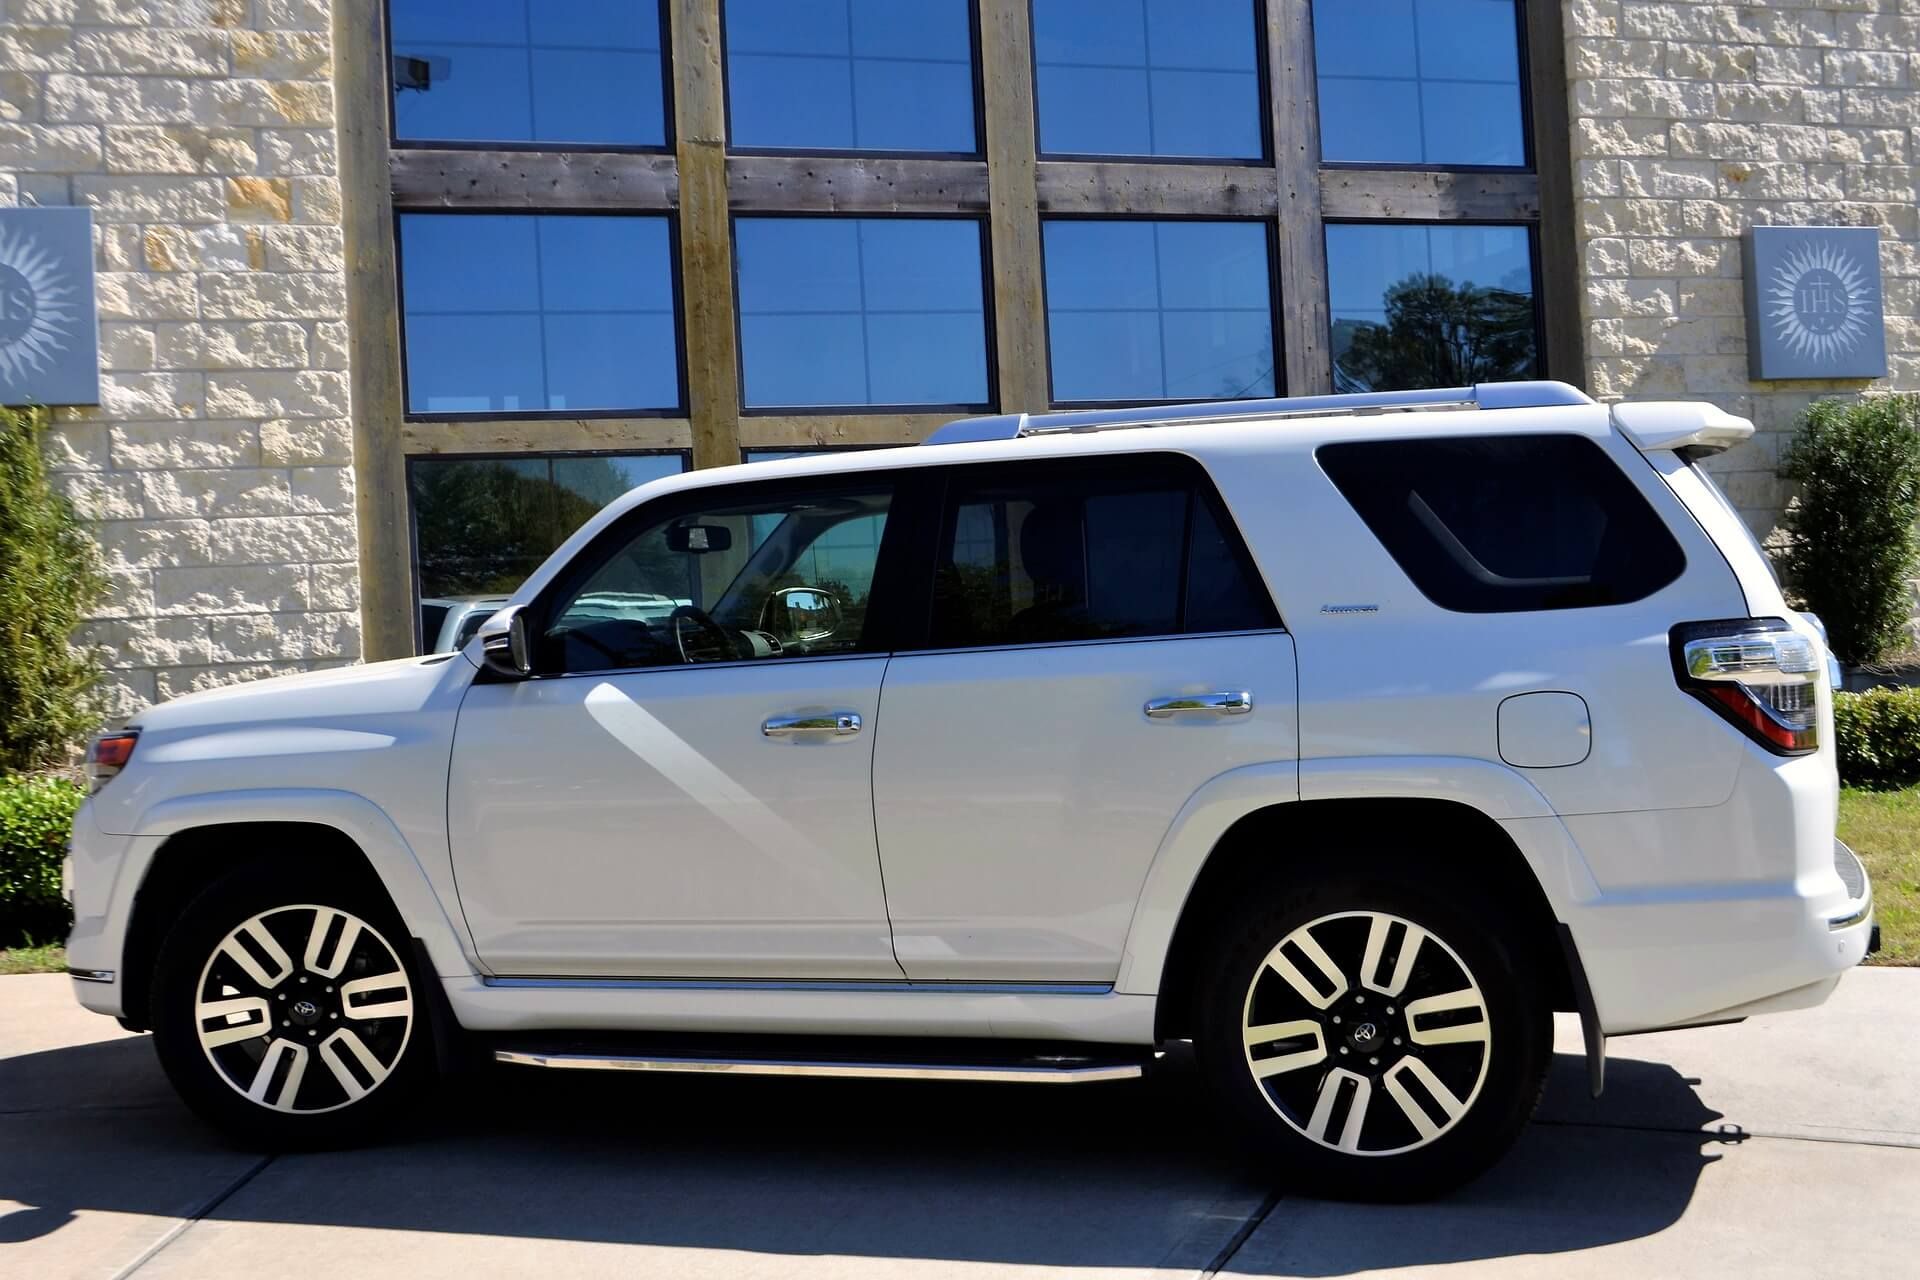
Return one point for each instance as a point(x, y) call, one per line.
point(1878, 734)
point(36, 814)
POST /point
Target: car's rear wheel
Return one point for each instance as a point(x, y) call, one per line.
point(1372, 1037)
point(285, 1010)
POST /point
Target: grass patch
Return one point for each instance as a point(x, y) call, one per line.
point(51, 958)
point(1883, 827)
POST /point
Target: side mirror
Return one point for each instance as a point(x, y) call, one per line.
point(504, 648)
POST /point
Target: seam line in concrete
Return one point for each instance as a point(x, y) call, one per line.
point(1240, 1237)
point(1731, 1136)
point(180, 1228)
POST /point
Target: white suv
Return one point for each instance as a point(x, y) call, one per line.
point(1345, 738)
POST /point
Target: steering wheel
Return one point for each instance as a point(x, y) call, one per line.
point(721, 644)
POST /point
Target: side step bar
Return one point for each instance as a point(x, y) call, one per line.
point(1044, 1070)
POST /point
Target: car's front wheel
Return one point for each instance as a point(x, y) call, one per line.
point(1372, 1035)
point(284, 1008)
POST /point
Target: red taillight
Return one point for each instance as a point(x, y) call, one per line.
point(108, 754)
point(1759, 674)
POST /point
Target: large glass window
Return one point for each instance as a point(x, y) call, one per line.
point(768, 578)
point(1158, 310)
point(1049, 553)
point(564, 72)
point(851, 75)
point(538, 313)
point(861, 311)
point(1430, 305)
point(481, 525)
point(1420, 82)
point(1149, 77)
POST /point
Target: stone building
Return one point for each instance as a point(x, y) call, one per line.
point(390, 292)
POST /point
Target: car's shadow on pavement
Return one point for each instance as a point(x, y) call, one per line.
point(1118, 1175)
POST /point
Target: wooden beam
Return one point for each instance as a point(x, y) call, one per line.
point(706, 235)
point(1302, 244)
point(373, 334)
point(545, 435)
point(1020, 315)
point(800, 431)
point(1154, 190)
point(426, 179)
point(1413, 193)
point(1561, 295)
point(855, 184)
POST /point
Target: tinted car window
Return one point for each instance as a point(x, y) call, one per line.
point(1499, 524)
point(1045, 554)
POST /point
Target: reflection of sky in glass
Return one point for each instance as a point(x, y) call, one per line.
point(1140, 310)
point(536, 312)
point(560, 71)
point(850, 75)
point(1148, 77)
point(861, 311)
point(1419, 81)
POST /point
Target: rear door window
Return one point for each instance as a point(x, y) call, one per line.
point(1504, 524)
point(1049, 552)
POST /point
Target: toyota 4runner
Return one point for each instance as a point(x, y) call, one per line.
point(1345, 738)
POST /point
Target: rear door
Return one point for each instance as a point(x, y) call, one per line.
point(1097, 647)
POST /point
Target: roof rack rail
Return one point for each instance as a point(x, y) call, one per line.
point(1485, 395)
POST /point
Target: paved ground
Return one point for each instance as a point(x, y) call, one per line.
point(1782, 1147)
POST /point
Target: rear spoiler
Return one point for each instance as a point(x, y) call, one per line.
point(1689, 428)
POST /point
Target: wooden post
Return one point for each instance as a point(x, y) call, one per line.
point(1302, 243)
point(1020, 316)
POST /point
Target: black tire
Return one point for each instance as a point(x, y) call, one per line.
point(318, 1111)
point(1273, 1118)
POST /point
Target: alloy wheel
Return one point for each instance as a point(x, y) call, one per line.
point(308, 1034)
point(1367, 1033)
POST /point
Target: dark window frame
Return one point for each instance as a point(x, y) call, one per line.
point(1263, 79)
point(413, 515)
point(682, 395)
point(892, 565)
point(666, 147)
point(1541, 367)
point(1271, 229)
point(980, 221)
point(977, 77)
point(936, 510)
point(1531, 157)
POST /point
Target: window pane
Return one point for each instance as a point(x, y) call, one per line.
point(533, 313)
point(1498, 524)
point(481, 525)
point(1430, 305)
point(1158, 310)
point(850, 75)
point(786, 578)
point(1148, 77)
point(1051, 554)
point(551, 71)
point(1419, 82)
point(861, 311)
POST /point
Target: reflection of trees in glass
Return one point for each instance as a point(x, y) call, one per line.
point(483, 526)
point(1437, 334)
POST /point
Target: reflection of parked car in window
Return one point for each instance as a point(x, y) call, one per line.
point(448, 622)
point(1346, 745)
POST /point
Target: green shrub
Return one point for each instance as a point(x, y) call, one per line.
point(1878, 734)
point(1851, 545)
point(49, 578)
point(36, 815)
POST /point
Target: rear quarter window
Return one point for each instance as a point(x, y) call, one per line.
point(1507, 524)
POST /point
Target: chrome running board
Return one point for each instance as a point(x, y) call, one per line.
point(1032, 1071)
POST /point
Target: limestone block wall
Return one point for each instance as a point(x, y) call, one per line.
point(1694, 121)
point(218, 465)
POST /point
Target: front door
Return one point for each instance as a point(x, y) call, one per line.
point(1099, 648)
point(684, 787)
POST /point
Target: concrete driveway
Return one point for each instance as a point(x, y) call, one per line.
point(1781, 1147)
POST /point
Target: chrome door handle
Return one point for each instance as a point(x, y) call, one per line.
point(827, 723)
point(1237, 703)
